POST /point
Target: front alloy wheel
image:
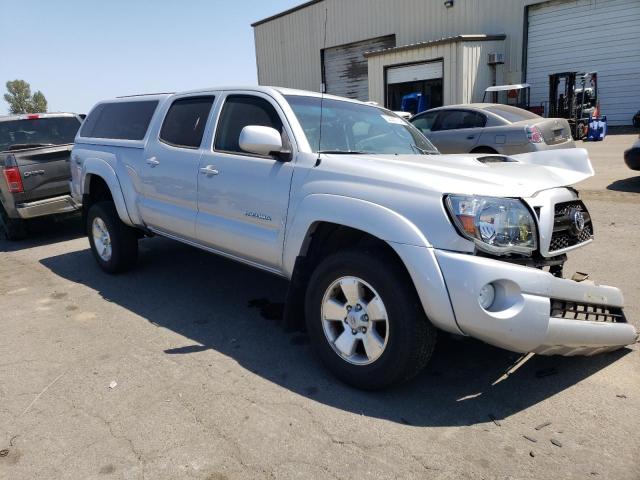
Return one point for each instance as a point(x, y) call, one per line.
point(354, 320)
point(365, 320)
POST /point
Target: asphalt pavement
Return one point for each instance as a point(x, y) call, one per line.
point(181, 370)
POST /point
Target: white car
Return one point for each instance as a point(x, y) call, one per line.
point(384, 241)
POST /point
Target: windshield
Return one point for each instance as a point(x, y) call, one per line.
point(349, 127)
point(511, 114)
point(37, 131)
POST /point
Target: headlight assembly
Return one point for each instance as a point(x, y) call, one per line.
point(496, 225)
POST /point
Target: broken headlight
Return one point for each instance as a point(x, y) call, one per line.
point(496, 225)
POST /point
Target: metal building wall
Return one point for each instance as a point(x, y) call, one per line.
point(448, 52)
point(288, 48)
point(465, 76)
point(588, 35)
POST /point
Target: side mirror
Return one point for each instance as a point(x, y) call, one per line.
point(260, 140)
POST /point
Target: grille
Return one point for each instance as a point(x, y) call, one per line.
point(586, 311)
point(565, 229)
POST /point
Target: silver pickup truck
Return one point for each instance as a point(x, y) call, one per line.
point(384, 241)
point(34, 161)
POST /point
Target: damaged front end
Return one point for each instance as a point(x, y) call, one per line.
point(523, 303)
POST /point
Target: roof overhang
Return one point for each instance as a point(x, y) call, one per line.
point(285, 13)
point(441, 41)
point(502, 88)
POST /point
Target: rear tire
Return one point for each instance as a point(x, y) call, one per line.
point(114, 244)
point(405, 338)
point(11, 229)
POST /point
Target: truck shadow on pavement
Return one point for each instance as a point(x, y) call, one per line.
point(46, 231)
point(206, 299)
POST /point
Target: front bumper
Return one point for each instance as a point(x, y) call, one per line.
point(521, 317)
point(632, 158)
point(48, 206)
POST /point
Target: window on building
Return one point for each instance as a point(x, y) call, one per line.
point(240, 111)
point(119, 120)
point(184, 123)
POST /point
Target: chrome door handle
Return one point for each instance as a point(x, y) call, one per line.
point(152, 162)
point(209, 170)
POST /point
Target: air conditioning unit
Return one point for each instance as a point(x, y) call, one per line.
point(496, 58)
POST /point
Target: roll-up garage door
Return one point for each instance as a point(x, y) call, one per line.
point(413, 73)
point(588, 36)
point(346, 69)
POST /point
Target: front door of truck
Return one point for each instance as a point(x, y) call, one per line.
point(243, 198)
point(169, 174)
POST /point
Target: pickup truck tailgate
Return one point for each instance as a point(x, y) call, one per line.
point(45, 172)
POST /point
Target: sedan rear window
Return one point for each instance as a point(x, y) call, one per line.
point(16, 134)
point(119, 120)
point(511, 114)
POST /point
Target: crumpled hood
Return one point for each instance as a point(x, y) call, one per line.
point(523, 176)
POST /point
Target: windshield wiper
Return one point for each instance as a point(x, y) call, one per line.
point(343, 152)
point(423, 151)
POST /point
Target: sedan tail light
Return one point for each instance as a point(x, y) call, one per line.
point(534, 135)
point(14, 179)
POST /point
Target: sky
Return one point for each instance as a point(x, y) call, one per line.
point(78, 52)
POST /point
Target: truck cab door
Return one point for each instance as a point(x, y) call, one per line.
point(243, 198)
point(169, 172)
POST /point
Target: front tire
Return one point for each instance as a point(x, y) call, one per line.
point(365, 320)
point(114, 244)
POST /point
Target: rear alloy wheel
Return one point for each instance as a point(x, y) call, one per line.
point(114, 244)
point(11, 228)
point(365, 320)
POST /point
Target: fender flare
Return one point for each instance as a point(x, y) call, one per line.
point(363, 215)
point(100, 168)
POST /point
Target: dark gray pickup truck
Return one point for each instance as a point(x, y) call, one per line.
point(34, 160)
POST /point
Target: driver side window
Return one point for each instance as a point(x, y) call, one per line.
point(240, 111)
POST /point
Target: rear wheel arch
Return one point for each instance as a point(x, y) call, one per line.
point(100, 183)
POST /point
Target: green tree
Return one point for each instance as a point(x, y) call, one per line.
point(20, 100)
point(38, 103)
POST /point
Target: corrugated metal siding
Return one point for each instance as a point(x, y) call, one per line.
point(476, 74)
point(345, 67)
point(588, 35)
point(288, 48)
point(446, 52)
point(465, 76)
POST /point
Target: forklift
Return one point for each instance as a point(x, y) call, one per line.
point(574, 96)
